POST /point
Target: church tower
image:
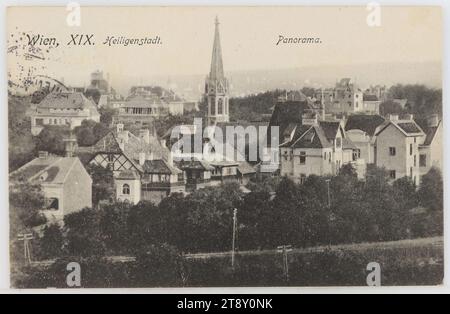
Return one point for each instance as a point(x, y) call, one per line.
point(216, 85)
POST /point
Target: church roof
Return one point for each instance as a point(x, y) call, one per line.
point(216, 72)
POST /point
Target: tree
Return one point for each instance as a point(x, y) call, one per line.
point(254, 216)
point(159, 265)
point(114, 229)
point(103, 186)
point(83, 233)
point(174, 210)
point(404, 191)
point(422, 100)
point(26, 200)
point(106, 115)
point(21, 148)
point(52, 241)
point(210, 217)
point(89, 132)
point(390, 107)
point(51, 139)
point(430, 192)
point(146, 225)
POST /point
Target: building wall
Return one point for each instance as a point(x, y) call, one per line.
point(77, 189)
point(371, 106)
point(54, 191)
point(363, 142)
point(135, 190)
point(392, 137)
point(318, 162)
point(59, 118)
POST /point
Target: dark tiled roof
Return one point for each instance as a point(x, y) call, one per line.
point(286, 113)
point(307, 136)
point(409, 127)
point(159, 167)
point(193, 163)
point(368, 97)
point(330, 128)
point(66, 100)
point(430, 132)
point(366, 123)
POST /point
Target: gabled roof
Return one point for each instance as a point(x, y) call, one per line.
point(49, 170)
point(407, 127)
point(366, 123)
point(307, 136)
point(66, 100)
point(286, 113)
point(131, 148)
point(194, 163)
point(430, 133)
point(330, 128)
point(246, 168)
point(159, 167)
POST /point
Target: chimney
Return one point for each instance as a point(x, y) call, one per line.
point(119, 127)
point(393, 117)
point(163, 143)
point(309, 118)
point(43, 154)
point(145, 135)
point(409, 117)
point(170, 159)
point(433, 120)
point(141, 158)
point(70, 145)
point(123, 136)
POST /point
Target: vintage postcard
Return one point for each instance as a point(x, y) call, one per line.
point(225, 146)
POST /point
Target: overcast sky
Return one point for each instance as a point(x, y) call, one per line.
point(248, 38)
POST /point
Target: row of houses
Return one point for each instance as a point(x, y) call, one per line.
point(314, 143)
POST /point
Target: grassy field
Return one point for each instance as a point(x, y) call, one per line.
point(406, 262)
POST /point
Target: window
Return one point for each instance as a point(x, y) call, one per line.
point(392, 151)
point(220, 106)
point(338, 142)
point(39, 121)
point(126, 189)
point(356, 154)
point(325, 156)
point(422, 160)
point(411, 171)
point(415, 160)
point(410, 149)
point(392, 174)
point(53, 203)
point(302, 158)
point(110, 158)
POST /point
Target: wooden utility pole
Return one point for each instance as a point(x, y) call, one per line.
point(26, 237)
point(233, 245)
point(284, 249)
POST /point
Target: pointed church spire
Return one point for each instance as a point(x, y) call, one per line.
point(216, 71)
